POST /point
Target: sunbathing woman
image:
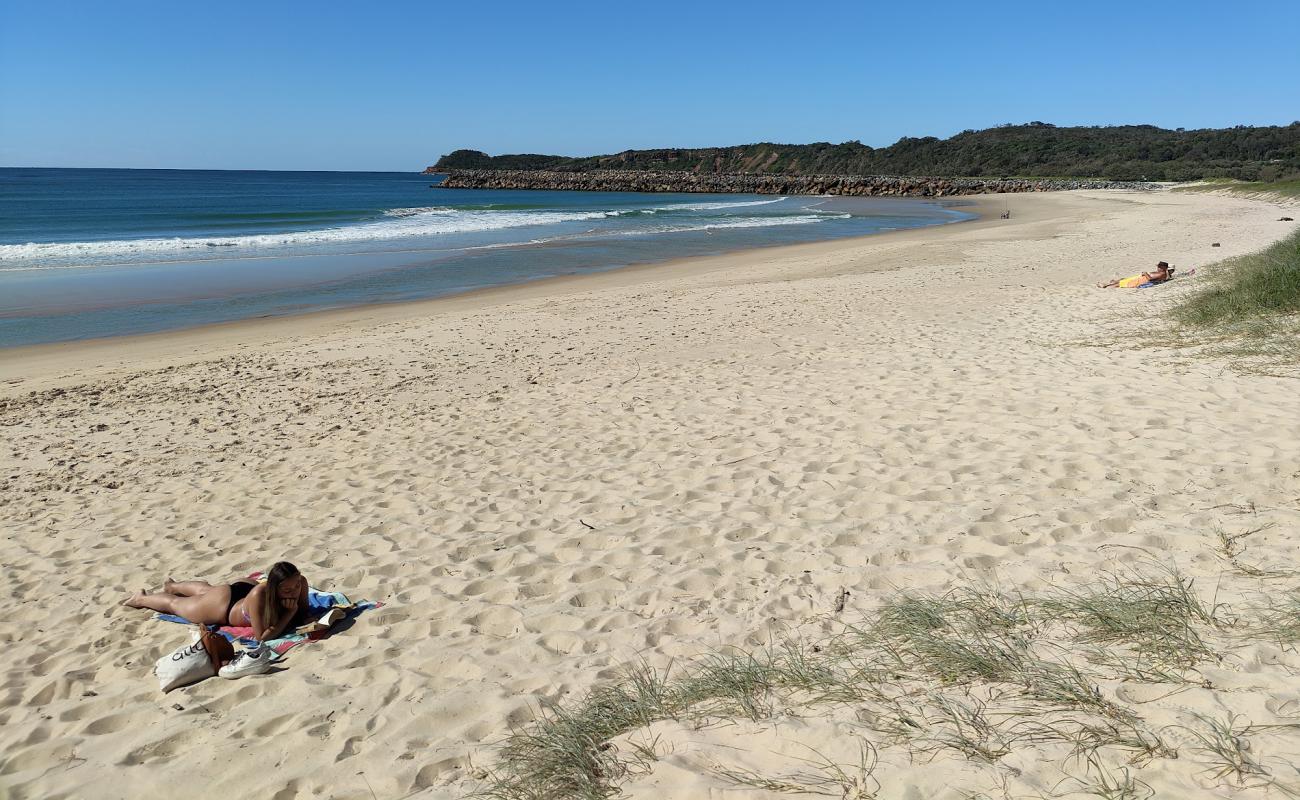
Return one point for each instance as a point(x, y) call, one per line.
point(268, 608)
point(1160, 274)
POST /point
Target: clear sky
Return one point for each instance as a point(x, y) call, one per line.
point(277, 84)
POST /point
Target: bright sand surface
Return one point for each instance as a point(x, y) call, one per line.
point(545, 483)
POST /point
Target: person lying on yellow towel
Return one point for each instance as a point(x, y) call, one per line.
point(1160, 274)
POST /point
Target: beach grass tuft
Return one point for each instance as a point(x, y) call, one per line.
point(967, 728)
point(1114, 784)
point(965, 635)
point(1143, 744)
point(1225, 744)
point(825, 776)
point(1155, 613)
point(1279, 618)
point(728, 684)
point(567, 751)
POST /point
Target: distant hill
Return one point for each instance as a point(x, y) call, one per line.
point(1036, 149)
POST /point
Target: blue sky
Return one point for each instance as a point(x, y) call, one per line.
point(392, 85)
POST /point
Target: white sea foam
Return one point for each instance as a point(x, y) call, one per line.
point(691, 207)
point(715, 206)
point(398, 224)
point(735, 222)
point(747, 222)
point(411, 212)
point(424, 222)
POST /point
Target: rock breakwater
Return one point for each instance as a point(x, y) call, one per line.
point(724, 183)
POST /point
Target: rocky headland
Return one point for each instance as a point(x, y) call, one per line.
point(722, 183)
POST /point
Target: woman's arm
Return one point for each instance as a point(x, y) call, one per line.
point(288, 608)
point(253, 609)
point(261, 631)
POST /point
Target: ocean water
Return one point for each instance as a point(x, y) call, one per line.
point(100, 252)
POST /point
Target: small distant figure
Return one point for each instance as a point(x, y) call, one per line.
point(1006, 214)
point(1160, 274)
point(1285, 219)
point(1214, 244)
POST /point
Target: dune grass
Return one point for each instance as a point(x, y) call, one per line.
point(1250, 309)
point(566, 752)
point(826, 777)
point(1114, 783)
point(1288, 187)
point(1155, 614)
point(974, 672)
point(1279, 620)
point(1251, 287)
point(1227, 748)
point(1251, 305)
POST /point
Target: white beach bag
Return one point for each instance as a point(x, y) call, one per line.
point(199, 659)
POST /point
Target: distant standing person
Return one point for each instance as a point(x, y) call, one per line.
point(1160, 274)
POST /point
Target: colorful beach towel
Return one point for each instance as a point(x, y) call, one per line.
point(326, 610)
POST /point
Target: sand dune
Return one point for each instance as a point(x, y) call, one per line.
point(544, 484)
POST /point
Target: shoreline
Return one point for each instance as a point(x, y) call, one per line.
point(22, 363)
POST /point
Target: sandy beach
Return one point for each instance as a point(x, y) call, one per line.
point(546, 483)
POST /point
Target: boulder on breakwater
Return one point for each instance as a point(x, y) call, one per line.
point(723, 183)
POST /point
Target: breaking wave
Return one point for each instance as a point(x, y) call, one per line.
point(716, 206)
point(400, 224)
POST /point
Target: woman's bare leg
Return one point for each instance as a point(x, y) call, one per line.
point(208, 608)
point(161, 602)
point(185, 588)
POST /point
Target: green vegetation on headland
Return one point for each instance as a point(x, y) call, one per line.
point(1036, 149)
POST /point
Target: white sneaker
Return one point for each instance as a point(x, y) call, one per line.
point(248, 662)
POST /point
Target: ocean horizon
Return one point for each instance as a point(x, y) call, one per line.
point(90, 253)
